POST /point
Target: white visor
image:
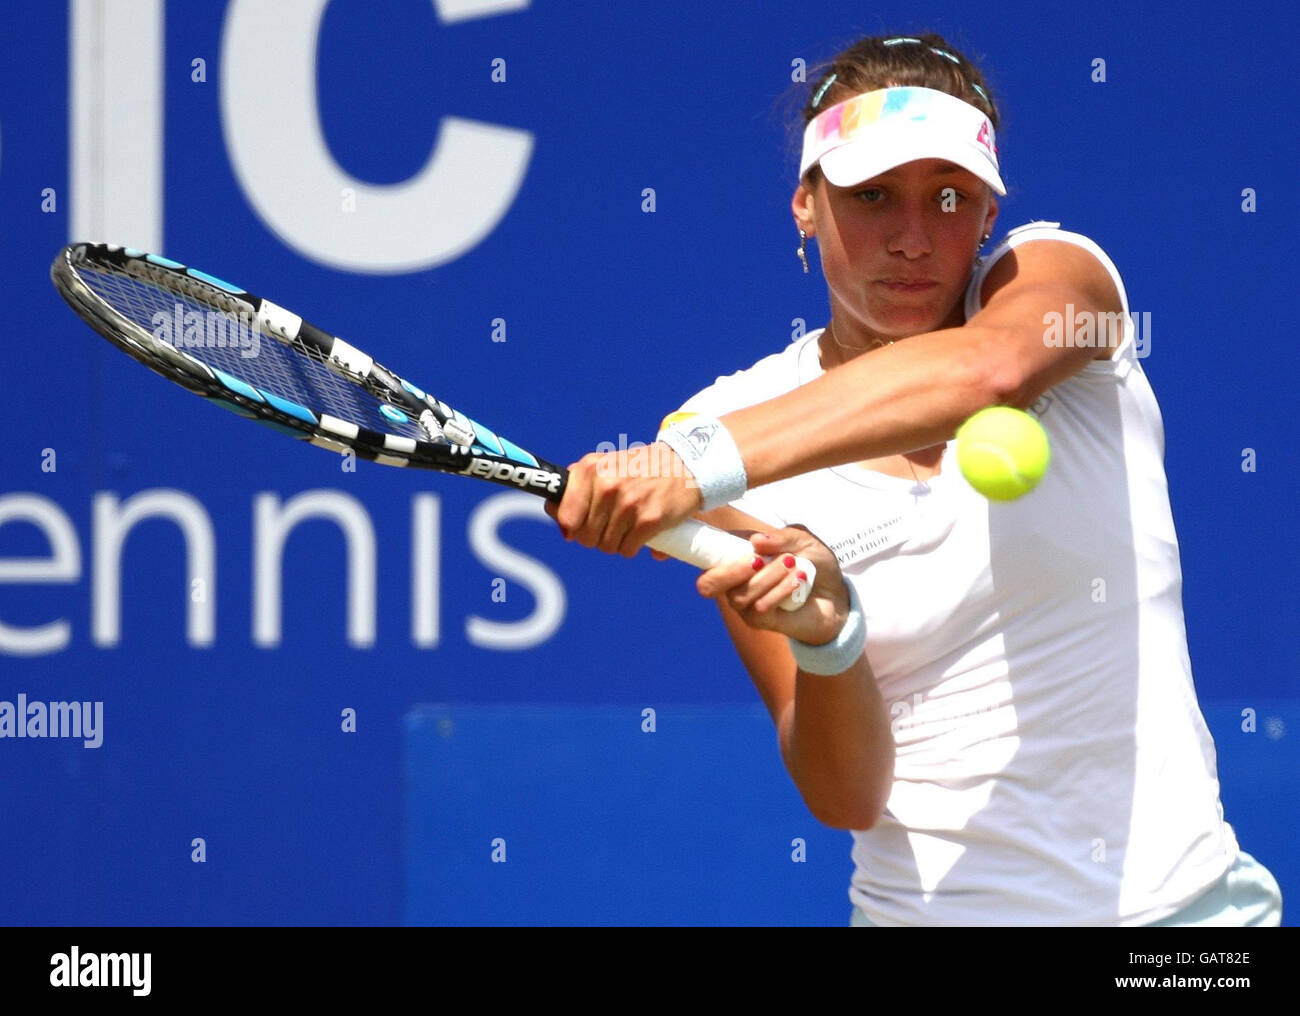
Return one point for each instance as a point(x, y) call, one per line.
point(871, 133)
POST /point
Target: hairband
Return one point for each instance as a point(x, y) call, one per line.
point(821, 91)
point(907, 38)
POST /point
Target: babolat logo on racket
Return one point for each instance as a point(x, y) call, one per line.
point(523, 476)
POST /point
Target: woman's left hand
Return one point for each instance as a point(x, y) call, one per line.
point(616, 501)
point(756, 595)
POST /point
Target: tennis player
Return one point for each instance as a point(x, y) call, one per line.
point(996, 698)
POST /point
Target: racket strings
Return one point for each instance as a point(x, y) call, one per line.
point(201, 293)
point(179, 312)
point(370, 384)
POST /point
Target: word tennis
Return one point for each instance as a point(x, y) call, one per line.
point(188, 329)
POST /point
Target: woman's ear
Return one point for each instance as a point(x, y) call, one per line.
point(804, 210)
point(991, 216)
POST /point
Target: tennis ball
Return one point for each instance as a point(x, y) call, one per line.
point(1003, 452)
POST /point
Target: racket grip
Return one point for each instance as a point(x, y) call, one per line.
point(707, 547)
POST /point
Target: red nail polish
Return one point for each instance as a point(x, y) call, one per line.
point(788, 560)
point(758, 564)
point(801, 575)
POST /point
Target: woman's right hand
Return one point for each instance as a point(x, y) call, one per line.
point(756, 595)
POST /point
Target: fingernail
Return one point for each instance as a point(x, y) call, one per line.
point(758, 564)
point(788, 560)
point(801, 575)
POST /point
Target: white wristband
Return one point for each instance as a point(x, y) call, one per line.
point(843, 651)
point(708, 450)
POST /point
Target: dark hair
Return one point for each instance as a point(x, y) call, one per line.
point(885, 61)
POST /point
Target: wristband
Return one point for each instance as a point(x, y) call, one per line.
point(708, 450)
point(840, 653)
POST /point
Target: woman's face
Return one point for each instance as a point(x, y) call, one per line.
point(898, 250)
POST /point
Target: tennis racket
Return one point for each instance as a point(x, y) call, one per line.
point(267, 364)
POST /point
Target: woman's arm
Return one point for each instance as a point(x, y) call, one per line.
point(917, 393)
point(910, 395)
point(833, 729)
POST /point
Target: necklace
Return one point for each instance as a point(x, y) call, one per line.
point(878, 344)
point(919, 487)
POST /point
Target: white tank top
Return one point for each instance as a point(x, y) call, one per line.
point(1053, 766)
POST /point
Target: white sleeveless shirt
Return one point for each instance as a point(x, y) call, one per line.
point(1053, 766)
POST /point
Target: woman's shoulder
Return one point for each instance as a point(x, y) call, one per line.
point(1036, 231)
point(1039, 229)
point(771, 376)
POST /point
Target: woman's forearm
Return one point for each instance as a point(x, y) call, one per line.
point(897, 399)
point(838, 746)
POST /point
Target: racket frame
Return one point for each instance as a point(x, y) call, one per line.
point(692, 541)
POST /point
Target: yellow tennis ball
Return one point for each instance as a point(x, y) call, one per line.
point(1003, 452)
point(676, 417)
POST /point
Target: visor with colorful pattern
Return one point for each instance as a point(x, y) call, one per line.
point(871, 133)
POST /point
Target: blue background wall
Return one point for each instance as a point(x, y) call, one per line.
point(614, 316)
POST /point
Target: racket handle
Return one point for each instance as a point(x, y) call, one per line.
point(707, 547)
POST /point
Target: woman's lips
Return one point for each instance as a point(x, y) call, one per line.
point(899, 286)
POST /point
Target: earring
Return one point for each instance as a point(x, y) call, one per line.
point(985, 239)
point(802, 252)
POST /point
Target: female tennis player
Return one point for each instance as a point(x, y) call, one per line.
point(998, 701)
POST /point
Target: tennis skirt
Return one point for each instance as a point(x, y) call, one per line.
point(1246, 897)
